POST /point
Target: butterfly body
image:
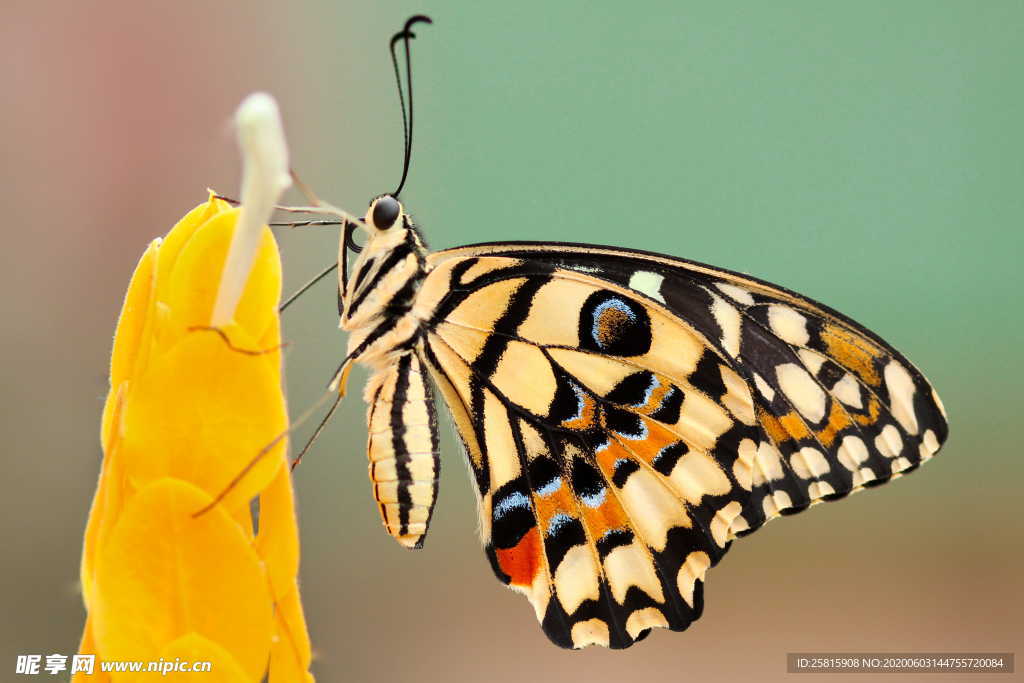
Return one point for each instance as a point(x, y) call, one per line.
point(625, 415)
point(375, 307)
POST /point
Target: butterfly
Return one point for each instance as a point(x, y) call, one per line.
point(626, 415)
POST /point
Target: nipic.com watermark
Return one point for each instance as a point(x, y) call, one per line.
point(34, 665)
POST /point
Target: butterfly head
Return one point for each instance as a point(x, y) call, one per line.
point(390, 262)
point(385, 212)
point(386, 227)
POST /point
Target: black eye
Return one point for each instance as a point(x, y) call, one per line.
point(385, 212)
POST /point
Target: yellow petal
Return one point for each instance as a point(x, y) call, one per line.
point(106, 502)
point(130, 326)
point(193, 648)
point(291, 653)
point(163, 574)
point(182, 232)
point(278, 539)
point(257, 309)
point(192, 287)
point(202, 413)
point(272, 339)
point(173, 244)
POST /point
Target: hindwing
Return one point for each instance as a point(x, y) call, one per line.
point(626, 415)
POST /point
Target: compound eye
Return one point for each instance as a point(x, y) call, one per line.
point(385, 212)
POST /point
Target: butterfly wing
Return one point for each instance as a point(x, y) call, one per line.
point(626, 415)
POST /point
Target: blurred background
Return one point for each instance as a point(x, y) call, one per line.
point(867, 154)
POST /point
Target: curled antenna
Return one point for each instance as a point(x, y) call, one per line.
point(405, 35)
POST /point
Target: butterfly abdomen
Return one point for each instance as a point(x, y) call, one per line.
point(403, 448)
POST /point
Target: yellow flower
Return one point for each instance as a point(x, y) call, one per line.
point(189, 407)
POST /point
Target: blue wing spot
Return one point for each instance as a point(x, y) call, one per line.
point(558, 521)
point(612, 539)
point(580, 402)
point(623, 468)
point(595, 499)
point(639, 435)
point(514, 500)
point(550, 487)
point(666, 459)
point(655, 383)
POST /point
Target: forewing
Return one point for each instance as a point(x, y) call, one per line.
point(625, 422)
point(820, 381)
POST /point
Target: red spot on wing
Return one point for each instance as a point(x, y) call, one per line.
point(522, 561)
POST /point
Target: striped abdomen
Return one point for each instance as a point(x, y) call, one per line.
point(403, 448)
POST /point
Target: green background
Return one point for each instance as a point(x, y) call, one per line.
point(867, 154)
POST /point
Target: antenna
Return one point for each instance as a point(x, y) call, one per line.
point(405, 35)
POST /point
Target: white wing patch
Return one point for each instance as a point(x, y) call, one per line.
point(901, 394)
point(736, 293)
point(764, 388)
point(728, 318)
point(646, 282)
point(848, 392)
point(802, 391)
point(788, 325)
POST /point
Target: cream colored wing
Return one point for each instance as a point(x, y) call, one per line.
point(625, 419)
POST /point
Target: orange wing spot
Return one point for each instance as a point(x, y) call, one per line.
point(852, 352)
point(656, 397)
point(608, 515)
point(611, 516)
point(795, 425)
point(607, 457)
point(776, 432)
point(646, 449)
point(522, 561)
point(559, 501)
point(587, 416)
point(657, 438)
point(785, 427)
point(837, 421)
point(874, 409)
point(609, 324)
